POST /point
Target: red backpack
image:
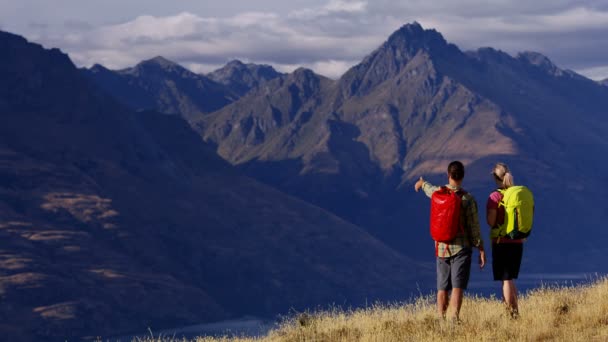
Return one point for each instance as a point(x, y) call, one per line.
point(445, 214)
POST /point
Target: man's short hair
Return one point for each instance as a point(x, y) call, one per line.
point(456, 170)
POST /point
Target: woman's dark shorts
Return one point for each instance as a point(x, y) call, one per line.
point(506, 260)
point(454, 271)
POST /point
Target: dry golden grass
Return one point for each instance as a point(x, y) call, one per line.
point(547, 314)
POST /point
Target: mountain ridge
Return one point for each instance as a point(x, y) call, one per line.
point(162, 85)
point(408, 109)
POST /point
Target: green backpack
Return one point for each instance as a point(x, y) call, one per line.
point(519, 212)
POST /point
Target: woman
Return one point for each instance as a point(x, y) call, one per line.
point(506, 252)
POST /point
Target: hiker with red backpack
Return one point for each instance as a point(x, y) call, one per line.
point(509, 213)
point(455, 229)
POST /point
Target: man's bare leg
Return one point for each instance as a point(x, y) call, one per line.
point(456, 302)
point(442, 302)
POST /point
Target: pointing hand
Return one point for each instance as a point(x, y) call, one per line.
point(418, 184)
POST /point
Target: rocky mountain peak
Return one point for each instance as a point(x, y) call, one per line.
point(541, 61)
point(303, 73)
point(160, 61)
point(391, 57)
point(492, 54)
point(97, 68)
point(28, 64)
point(413, 37)
point(243, 77)
point(156, 64)
point(232, 71)
point(305, 80)
point(235, 63)
point(16, 49)
point(7, 38)
point(235, 67)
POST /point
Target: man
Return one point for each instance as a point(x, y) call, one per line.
point(454, 257)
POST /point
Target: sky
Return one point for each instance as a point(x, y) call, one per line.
point(328, 36)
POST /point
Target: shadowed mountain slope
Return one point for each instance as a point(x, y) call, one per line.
point(113, 221)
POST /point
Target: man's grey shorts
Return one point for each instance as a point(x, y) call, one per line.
point(454, 271)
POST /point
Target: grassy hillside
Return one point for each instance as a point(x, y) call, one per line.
point(547, 314)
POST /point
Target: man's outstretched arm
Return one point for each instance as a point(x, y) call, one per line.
point(427, 187)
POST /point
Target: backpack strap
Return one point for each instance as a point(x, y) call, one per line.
point(501, 203)
point(460, 192)
point(502, 192)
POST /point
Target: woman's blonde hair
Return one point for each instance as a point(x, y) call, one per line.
point(502, 175)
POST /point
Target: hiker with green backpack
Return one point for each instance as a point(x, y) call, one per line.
point(455, 229)
point(509, 213)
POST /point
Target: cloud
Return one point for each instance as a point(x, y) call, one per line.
point(598, 73)
point(78, 25)
point(572, 37)
point(332, 68)
point(151, 29)
point(331, 37)
point(204, 42)
point(333, 7)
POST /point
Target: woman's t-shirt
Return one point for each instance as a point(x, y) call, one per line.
point(493, 201)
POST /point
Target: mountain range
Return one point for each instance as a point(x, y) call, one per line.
point(114, 220)
point(354, 146)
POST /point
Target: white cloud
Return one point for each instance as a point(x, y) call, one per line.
point(575, 19)
point(598, 73)
point(332, 7)
point(331, 37)
point(201, 68)
point(579, 18)
point(332, 68)
point(152, 28)
point(346, 6)
point(328, 68)
point(203, 42)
